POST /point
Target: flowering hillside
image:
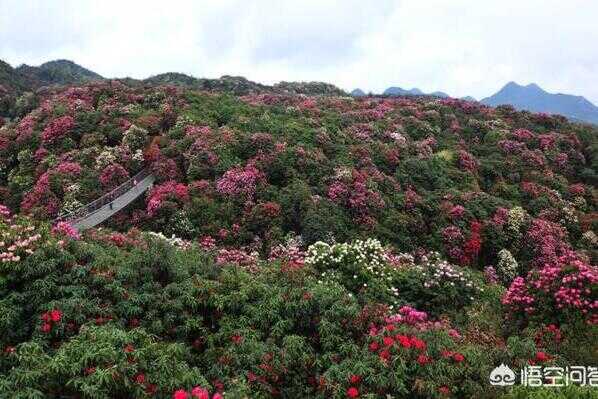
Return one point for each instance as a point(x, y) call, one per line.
point(321, 246)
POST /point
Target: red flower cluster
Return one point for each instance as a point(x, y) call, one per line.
point(352, 392)
point(49, 319)
point(473, 245)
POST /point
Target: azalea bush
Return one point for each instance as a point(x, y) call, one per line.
point(437, 285)
point(292, 245)
point(562, 290)
point(150, 316)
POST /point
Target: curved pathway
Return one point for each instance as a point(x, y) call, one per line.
point(96, 212)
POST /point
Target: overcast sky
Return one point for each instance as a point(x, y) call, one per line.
point(462, 47)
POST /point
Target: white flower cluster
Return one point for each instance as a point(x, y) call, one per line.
point(70, 205)
point(517, 216)
point(568, 216)
point(73, 188)
point(590, 238)
point(358, 263)
point(135, 138)
point(368, 254)
point(183, 121)
point(180, 224)
point(398, 138)
point(580, 203)
point(131, 109)
point(507, 267)
point(173, 240)
point(440, 273)
point(342, 173)
point(106, 157)
point(138, 156)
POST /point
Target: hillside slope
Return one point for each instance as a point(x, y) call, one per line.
point(293, 245)
point(369, 160)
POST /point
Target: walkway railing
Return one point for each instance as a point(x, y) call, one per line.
point(105, 199)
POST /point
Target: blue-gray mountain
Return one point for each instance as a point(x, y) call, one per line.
point(534, 98)
point(397, 91)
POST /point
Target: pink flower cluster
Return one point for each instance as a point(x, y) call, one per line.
point(163, 168)
point(577, 189)
point(196, 393)
point(419, 320)
point(563, 285)
point(518, 298)
point(240, 181)
point(412, 198)
point(168, 191)
point(65, 229)
point(547, 141)
point(76, 98)
point(490, 275)
point(290, 255)
point(467, 161)
point(25, 127)
point(57, 128)
point(41, 196)
point(207, 243)
point(534, 158)
point(237, 257)
point(547, 241)
point(408, 315)
point(501, 216)
point(456, 212)
point(356, 195)
point(68, 168)
point(511, 147)
point(561, 160)
point(40, 154)
point(452, 234)
point(113, 175)
point(198, 130)
point(425, 148)
point(5, 212)
point(18, 239)
point(523, 135)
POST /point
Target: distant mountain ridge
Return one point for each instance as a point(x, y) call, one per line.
point(65, 72)
point(29, 78)
point(530, 98)
point(61, 72)
point(12, 81)
point(15, 81)
point(535, 99)
point(398, 91)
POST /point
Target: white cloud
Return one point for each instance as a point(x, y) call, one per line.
point(463, 47)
